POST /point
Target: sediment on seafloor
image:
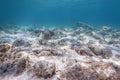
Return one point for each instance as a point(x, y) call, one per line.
point(72, 53)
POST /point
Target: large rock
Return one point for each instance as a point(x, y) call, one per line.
point(3, 41)
point(90, 71)
point(44, 34)
point(106, 28)
point(20, 42)
point(100, 50)
point(80, 24)
point(4, 57)
point(96, 48)
point(13, 63)
point(21, 66)
point(107, 53)
point(14, 66)
point(5, 47)
point(84, 50)
point(45, 52)
point(43, 69)
point(63, 41)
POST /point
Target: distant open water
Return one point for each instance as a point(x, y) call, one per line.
point(60, 12)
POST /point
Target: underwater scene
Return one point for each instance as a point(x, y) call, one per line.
point(59, 39)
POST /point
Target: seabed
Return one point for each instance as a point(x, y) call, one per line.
point(71, 53)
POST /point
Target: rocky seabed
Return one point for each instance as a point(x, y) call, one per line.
point(74, 53)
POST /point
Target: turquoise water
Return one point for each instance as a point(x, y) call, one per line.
point(59, 40)
point(60, 12)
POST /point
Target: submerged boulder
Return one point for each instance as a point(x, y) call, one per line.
point(48, 34)
point(20, 42)
point(45, 52)
point(83, 27)
point(106, 28)
point(43, 69)
point(21, 66)
point(107, 53)
point(44, 34)
point(96, 48)
point(80, 24)
point(90, 71)
point(3, 41)
point(100, 50)
point(5, 47)
point(84, 50)
point(14, 66)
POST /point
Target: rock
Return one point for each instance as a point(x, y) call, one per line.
point(13, 63)
point(107, 53)
point(36, 51)
point(5, 47)
point(105, 31)
point(96, 48)
point(20, 42)
point(43, 42)
point(98, 37)
point(82, 50)
point(89, 71)
point(21, 66)
point(106, 71)
point(117, 70)
point(48, 34)
point(45, 52)
point(106, 28)
point(116, 53)
point(113, 41)
point(5, 57)
point(43, 69)
point(79, 24)
point(65, 41)
point(116, 35)
point(62, 42)
point(3, 41)
point(6, 39)
point(117, 45)
point(86, 51)
point(100, 50)
point(15, 66)
point(45, 34)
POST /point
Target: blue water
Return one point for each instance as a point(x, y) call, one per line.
point(60, 12)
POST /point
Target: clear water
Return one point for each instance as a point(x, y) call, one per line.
point(43, 39)
point(60, 12)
